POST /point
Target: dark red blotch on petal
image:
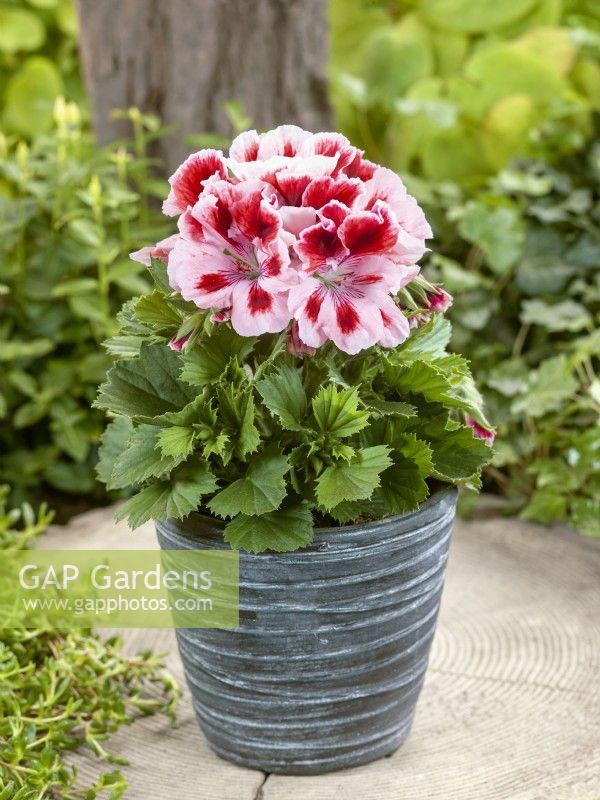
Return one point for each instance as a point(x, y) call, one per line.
point(212, 282)
point(313, 306)
point(347, 317)
point(259, 300)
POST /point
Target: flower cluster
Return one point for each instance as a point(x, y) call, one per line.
point(295, 227)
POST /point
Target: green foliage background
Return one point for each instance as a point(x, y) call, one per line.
point(489, 109)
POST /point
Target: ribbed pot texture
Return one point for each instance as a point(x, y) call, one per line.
point(326, 667)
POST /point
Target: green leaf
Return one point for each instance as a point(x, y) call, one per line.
point(545, 505)
point(336, 411)
point(261, 490)
point(402, 487)
point(236, 414)
point(155, 310)
point(586, 515)
point(75, 286)
point(564, 316)
point(548, 388)
point(146, 386)
point(497, 231)
point(392, 408)
point(470, 17)
point(141, 459)
point(430, 339)
point(20, 30)
point(30, 95)
point(123, 346)
point(11, 351)
point(283, 394)
point(457, 454)
point(114, 443)
point(159, 275)
point(161, 501)
point(282, 531)
point(207, 361)
point(176, 442)
point(355, 480)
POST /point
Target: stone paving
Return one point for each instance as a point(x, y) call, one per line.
point(511, 705)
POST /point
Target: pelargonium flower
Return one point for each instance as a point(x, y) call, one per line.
point(295, 231)
point(348, 276)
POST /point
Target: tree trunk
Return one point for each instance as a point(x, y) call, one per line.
point(183, 59)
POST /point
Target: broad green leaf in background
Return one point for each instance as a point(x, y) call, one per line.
point(20, 30)
point(30, 95)
point(564, 316)
point(475, 17)
point(498, 232)
point(548, 388)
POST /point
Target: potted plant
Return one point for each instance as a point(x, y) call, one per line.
point(285, 390)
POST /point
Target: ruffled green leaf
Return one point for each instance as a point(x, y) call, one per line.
point(282, 531)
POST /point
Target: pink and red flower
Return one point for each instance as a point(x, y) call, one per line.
point(298, 228)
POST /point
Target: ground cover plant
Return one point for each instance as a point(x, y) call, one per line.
point(63, 691)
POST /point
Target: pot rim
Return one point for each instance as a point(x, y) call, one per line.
point(345, 536)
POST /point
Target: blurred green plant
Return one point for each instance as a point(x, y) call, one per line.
point(62, 691)
point(453, 89)
point(522, 257)
point(38, 62)
point(70, 214)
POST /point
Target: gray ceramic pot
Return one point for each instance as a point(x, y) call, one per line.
point(327, 665)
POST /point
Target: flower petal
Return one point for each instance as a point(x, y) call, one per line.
point(285, 140)
point(366, 232)
point(245, 146)
point(256, 218)
point(256, 310)
point(321, 191)
point(331, 144)
point(187, 182)
point(160, 251)
point(319, 243)
point(396, 327)
point(353, 324)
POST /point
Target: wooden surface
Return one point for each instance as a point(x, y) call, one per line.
point(511, 705)
point(183, 59)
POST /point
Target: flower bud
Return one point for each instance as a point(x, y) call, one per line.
point(295, 344)
point(479, 432)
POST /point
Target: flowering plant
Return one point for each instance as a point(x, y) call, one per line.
point(289, 367)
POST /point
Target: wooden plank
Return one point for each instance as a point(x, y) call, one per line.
point(510, 708)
